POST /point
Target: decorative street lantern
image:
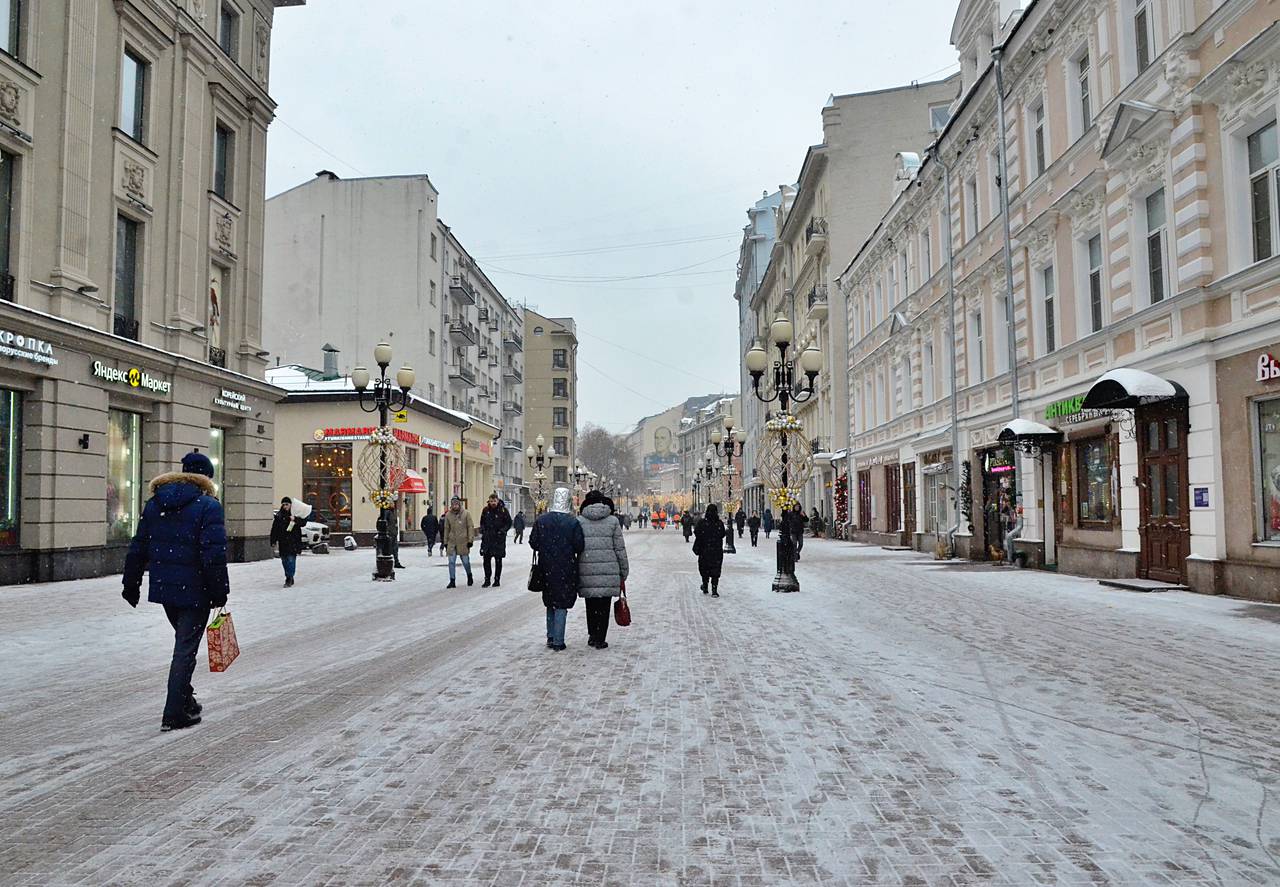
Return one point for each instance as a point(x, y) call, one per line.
point(382, 463)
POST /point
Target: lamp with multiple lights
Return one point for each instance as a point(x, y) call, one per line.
point(385, 397)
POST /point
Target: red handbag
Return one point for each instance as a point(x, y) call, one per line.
point(621, 609)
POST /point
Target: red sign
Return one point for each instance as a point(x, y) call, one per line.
point(363, 433)
point(1268, 368)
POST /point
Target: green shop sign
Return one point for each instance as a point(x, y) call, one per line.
point(1065, 409)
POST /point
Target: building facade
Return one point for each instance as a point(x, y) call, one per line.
point(845, 185)
point(694, 440)
point(1140, 143)
point(131, 195)
point(655, 444)
point(551, 390)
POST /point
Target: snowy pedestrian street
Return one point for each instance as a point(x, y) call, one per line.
point(899, 721)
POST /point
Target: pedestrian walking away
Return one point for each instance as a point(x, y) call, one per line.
point(708, 545)
point(517, 524)
point(181, 542)
point(603, 567)
point(741, 520)
point(558, 542)
point(686, 524)
point(457, 533)
point(767, 522)
point(286, 535)
point(495, 520)
point(431, 529)
point(753, 524)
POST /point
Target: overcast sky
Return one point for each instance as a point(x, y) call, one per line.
point(597, 158)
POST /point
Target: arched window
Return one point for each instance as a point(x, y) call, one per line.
point(537, 331)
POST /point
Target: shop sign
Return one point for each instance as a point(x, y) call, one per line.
point(482, 446)
point(232, 400)
point(27, 348)
point(133, 377)
point(362, 433)
point(1268, 368)
point(1200, 497)
point(873, 461)
point(1071, 409)
point(440, 446)
point(401, 417)
point(999, 461)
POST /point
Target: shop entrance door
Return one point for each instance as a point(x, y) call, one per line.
point(997, 499)
point(892, 499)
point(864, 500)
point(1164, 527)
point(909, 504)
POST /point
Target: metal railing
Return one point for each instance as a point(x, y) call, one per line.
point(125, 327)
point(513, 373)
point(461, 287)
point(6, 287)
point(459, 326)
point(218, 357)
point(818, 295)
point(513, 340)
point(463, 372)
point(512, 406)
point(817, 227)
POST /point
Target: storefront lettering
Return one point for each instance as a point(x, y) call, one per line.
point(232, 400)
point(1064, 409)
point(26, 348)
point(363, 432)
point(1268, 368)
point(133, 377)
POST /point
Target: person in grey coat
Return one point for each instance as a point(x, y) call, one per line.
point(603, 566)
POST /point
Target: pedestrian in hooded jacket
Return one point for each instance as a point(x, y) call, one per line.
point(753, 524)
point(495, 520)
point(558, 541)
point(459, 532)
point(430, 529)
point(708, 545)
point(182, 542)
point(741, 520)
point(602, 567)
point(686, 524)
point(767, 522)
point(517, 524)
point(286, 535)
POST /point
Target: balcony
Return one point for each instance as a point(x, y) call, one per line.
point(493, 394)
point(460, 330)
point(460, 288)
point(482, 315)
point(125, 327)
point(514, 407)
point(218, 357)
point(513, 341)
point(513, 443)
point(512, 373)
point(815, 236)
point(818, 302)
point(493, 324)
point(492, 356)
point(815, 445)
point(463, 373)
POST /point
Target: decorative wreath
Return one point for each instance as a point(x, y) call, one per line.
point(382, 498)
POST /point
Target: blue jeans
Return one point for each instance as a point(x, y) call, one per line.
point(556, 617)
point(466, 565)
point(188, 627)
point(290, 564)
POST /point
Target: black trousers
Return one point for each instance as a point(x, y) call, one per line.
point(755, 534)
point(598, 617)
point(496, 571)
point(188, 627)
point(519, 536)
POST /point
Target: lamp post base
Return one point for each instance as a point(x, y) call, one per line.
point(786, 581)
point(384, 562)
point(385, 570)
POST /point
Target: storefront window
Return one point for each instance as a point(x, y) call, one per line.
point(1093, 462)
point(409, 510)
point(124, 474)
point(218, 456)
point(1269, 453)
point(326, 483)
point(10, 465)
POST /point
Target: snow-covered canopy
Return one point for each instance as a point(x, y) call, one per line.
point(1125, 388)
point(1020, 429)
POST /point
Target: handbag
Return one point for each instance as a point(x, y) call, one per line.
point(621, 609)
point(537, 575)
point(221, 641)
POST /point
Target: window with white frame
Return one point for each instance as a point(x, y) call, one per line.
point(1157, 250)
point(1093, 258)
point(1263, 169)
point(1083, 95)
point(926, 372)
point(977, 369)
point(1039, 147)
point(1001, 343)
point(970, 208)
point(1143, 34)
point(1048, 299)
point(938, 117)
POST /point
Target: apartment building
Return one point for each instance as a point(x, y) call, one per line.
point(1141, 172)
point(844, 187)
point(694, 440)
point(131, 195)
point(551, 389)
point(654, 443)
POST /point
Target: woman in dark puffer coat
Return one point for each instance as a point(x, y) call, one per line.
point(708, 545)
point(558, 542)
point(602, 567)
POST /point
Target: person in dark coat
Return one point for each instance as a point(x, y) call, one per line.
point(286, 535)
point(495, 520)
point(741, 520)
point(430, 529)
point(708, 545)
point(686, 524)
point(753, 524)
point(767, 522)
point(558, 541)
point(517, 524)
point(182, 542)
point(793, 521)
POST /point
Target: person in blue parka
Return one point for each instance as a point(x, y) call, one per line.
point(558, 540)
point(182, 542)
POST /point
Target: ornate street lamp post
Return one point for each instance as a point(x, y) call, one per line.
point(786, 457)
point(540, 460)
point(728, 445)
point(384, 400)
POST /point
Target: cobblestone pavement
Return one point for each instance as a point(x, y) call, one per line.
point(900, 721)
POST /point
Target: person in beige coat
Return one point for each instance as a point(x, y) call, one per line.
point(458, 532)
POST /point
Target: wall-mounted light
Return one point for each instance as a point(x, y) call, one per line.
point(262, 429)
point(84, 441)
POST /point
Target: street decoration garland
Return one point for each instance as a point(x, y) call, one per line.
point(785, 437)
point(964, 496)
point(382, 450)
point(842, 498)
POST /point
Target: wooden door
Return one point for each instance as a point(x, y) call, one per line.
point(909, 504)
point(892, 499)
point(1164, 525)
point(864, 500)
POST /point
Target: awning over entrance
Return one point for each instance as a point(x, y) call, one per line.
point(1126, 388)
point(1024, 432)
point(413, 482)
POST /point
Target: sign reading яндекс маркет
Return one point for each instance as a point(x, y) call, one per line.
point(133, 377)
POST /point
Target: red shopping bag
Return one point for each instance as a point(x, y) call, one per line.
point(621, 609)
point(221, 642)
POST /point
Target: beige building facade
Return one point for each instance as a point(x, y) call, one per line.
point(551, 390)
point(131, 193)
point(1141, 155)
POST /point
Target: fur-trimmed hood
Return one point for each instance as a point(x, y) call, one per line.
point(199, 481)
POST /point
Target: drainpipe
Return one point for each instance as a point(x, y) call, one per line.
point(997, 55)
point(934, 149)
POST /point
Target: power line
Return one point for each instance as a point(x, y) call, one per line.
point(317, 145)
point(691, 375)
point(609, 249)
point(598, 279)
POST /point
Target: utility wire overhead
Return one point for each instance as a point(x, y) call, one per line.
point(610, 249)
point(597, 279)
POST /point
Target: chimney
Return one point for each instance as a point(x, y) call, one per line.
point(330, 362)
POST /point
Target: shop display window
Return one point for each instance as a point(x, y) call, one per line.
point(409, 506)
point(218, 456)
point(1269, 463)
point(326, 483)
point(1094, 470)
point(124, 474)
point(10, 465)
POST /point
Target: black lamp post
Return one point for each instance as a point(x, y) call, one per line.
point(786, 388)
point(727, 445)
point(540, 460)
point(385, 398)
